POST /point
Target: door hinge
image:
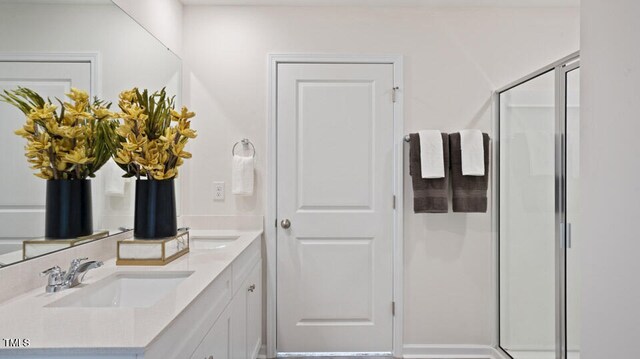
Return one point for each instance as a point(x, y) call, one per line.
point(394, 201)
point(276, 223)
point(393, 93)
point(393, 308)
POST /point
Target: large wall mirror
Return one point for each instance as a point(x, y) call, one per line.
point(51, 46)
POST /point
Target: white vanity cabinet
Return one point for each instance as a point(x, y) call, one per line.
point(213, 313)
point(225, 322)
point(237, 333)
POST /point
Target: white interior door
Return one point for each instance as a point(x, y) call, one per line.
point(22, 195)
point(335, 187)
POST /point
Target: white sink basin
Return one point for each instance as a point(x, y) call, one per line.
point(211, 242)
point(125, 290)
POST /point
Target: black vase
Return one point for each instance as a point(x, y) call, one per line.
point(68, 209)
point(155, 214)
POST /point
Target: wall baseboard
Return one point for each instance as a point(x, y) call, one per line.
point(428, 351)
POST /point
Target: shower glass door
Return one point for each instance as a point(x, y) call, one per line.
point(538, 149)
point(527, 219)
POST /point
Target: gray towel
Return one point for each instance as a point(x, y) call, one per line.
point(469, 192)
point(430, 195)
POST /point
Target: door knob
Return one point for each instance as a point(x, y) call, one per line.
point(285, 224)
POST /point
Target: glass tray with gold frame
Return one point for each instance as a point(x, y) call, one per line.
point(152, 252)
point(37, 247)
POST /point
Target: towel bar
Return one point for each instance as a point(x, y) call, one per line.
point(406, 138)
point(245, 143)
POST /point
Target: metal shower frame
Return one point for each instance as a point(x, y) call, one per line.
point(560, 68)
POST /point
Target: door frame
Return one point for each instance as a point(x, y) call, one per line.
point(563, 231)
point(92, 58)
point(398, 179)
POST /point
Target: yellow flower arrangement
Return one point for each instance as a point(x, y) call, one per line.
point(148, 146)
point(70, 144)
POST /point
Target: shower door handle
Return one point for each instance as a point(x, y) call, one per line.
point(565, 241)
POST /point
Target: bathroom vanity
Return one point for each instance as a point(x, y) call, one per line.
point(206, 304)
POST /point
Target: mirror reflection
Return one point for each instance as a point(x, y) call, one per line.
point(51, 47)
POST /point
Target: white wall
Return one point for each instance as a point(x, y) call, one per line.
point(454, 59)
point(610, 65)
point(162, 18)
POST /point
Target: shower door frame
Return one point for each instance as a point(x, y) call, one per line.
point(561, 231)
point(560, 68)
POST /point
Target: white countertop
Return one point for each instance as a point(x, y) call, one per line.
point(114, 330)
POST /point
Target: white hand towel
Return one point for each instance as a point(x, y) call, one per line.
point(472, 150)
point(113, 181)
point(242, 175)
point(431, 154)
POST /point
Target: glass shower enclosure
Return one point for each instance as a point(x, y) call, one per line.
point(537, 125)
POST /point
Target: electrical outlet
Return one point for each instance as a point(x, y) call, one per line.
point(218, 191)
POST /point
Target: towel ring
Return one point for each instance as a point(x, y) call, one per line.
point(245, 143)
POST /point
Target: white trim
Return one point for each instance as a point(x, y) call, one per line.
point(398, 243)
point(271, 210)
point(93, 58)
point(430, 351)
point(495, 219)
point(270, 217)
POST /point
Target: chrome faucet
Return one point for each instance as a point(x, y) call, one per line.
point(60, 280)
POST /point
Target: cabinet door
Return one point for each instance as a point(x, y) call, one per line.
point(239, 325)
point(216, 344)
point(254, 311)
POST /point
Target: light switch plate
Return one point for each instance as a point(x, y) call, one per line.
point(218, 191)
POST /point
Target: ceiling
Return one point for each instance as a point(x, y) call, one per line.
point(428, 3)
